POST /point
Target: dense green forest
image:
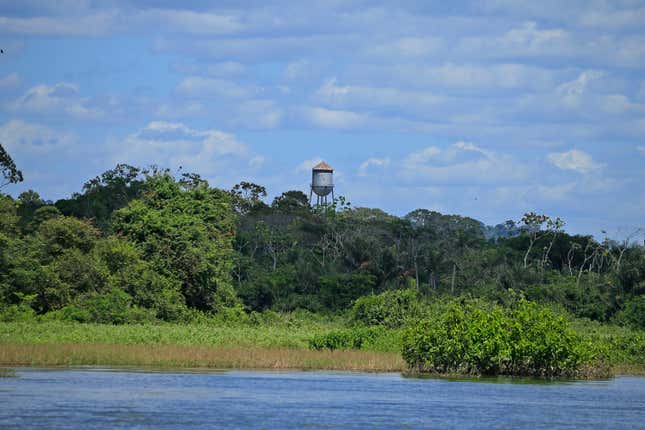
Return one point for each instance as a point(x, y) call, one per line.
point(142, 245)
point(153, 246)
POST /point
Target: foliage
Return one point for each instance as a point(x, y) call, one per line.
point(633, 314)
point(113, 307)
point(8, 170)
point(289, 331)
point(22, 311)
point(390, 309)
point(141, 245)
point(104, 194)
point(339, 291)
point(529, 340)
point(60, 234)
point(593, 300)
point(370, 338)
point(186, 233)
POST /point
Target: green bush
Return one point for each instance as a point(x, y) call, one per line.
point(390, 309)
point(543, 345)
point(20, 312)
point(633, 314)
point(339, 291)
point(355, 338)
point(590, 299)
point(529, 341)
point(114, 307)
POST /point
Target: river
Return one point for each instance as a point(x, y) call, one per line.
point(132, 399)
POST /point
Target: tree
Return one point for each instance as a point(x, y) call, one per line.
point(532, 227)
point(295, 202)
point(10, 173)
point(553, 227)
point(247, 197)
point(106, 193)
point(28, 202)
point(185, 232)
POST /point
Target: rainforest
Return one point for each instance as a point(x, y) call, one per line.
point(144, 266)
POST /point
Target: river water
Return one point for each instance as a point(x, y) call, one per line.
point(130, 399)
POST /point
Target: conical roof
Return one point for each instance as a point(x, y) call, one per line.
point(323, 166)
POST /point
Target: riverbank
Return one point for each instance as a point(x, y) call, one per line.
point(177, 356)
point(265, 346)
point(279, 346)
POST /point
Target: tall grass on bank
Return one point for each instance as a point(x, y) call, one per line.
point(54, 332)
point(624, 348)
point(197, 357)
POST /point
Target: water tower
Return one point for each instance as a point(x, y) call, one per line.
point(322, 183)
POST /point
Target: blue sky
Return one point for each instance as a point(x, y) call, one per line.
point(487, 109)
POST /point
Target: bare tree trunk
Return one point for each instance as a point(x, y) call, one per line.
point(452, 281)
point(570, 255)
point(528, 251)
point(584, 263)
point(548, 251)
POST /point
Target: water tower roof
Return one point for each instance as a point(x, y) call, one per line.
point(322, 166)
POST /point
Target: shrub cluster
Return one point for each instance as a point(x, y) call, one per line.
point(390, 309)
point(355, 338)
point(633, 314)
point(529, 341)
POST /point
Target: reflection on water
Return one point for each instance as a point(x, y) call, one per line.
point(124, 398)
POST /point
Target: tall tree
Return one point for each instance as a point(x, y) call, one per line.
point(186, 232)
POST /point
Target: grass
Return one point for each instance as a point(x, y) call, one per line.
point(54, 332)
point(274, 346)
point(624, 348)
point(197, 357)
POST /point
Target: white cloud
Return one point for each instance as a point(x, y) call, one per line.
point(407, 47)
point(84, 25)
point(61, 98)
point(28, 139)
point(81, 20)
point(571, 93)
point(372, 162)
point(226, 68)
point(186, 21)
point(462, 163)
point(257, 114)
point(328, 118)
point(601, 17)
point(526, 40)
point(257, 161)
point(376, 97)
point(218, 143)
point(191, 109)
point(528, 36)
point(199, 87)
point(167, 144)
point(299, 69)
point(575, 160)
point(10, 81)
point(307, 165)
point(423, 156)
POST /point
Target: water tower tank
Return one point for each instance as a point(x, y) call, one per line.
point(322, 181)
